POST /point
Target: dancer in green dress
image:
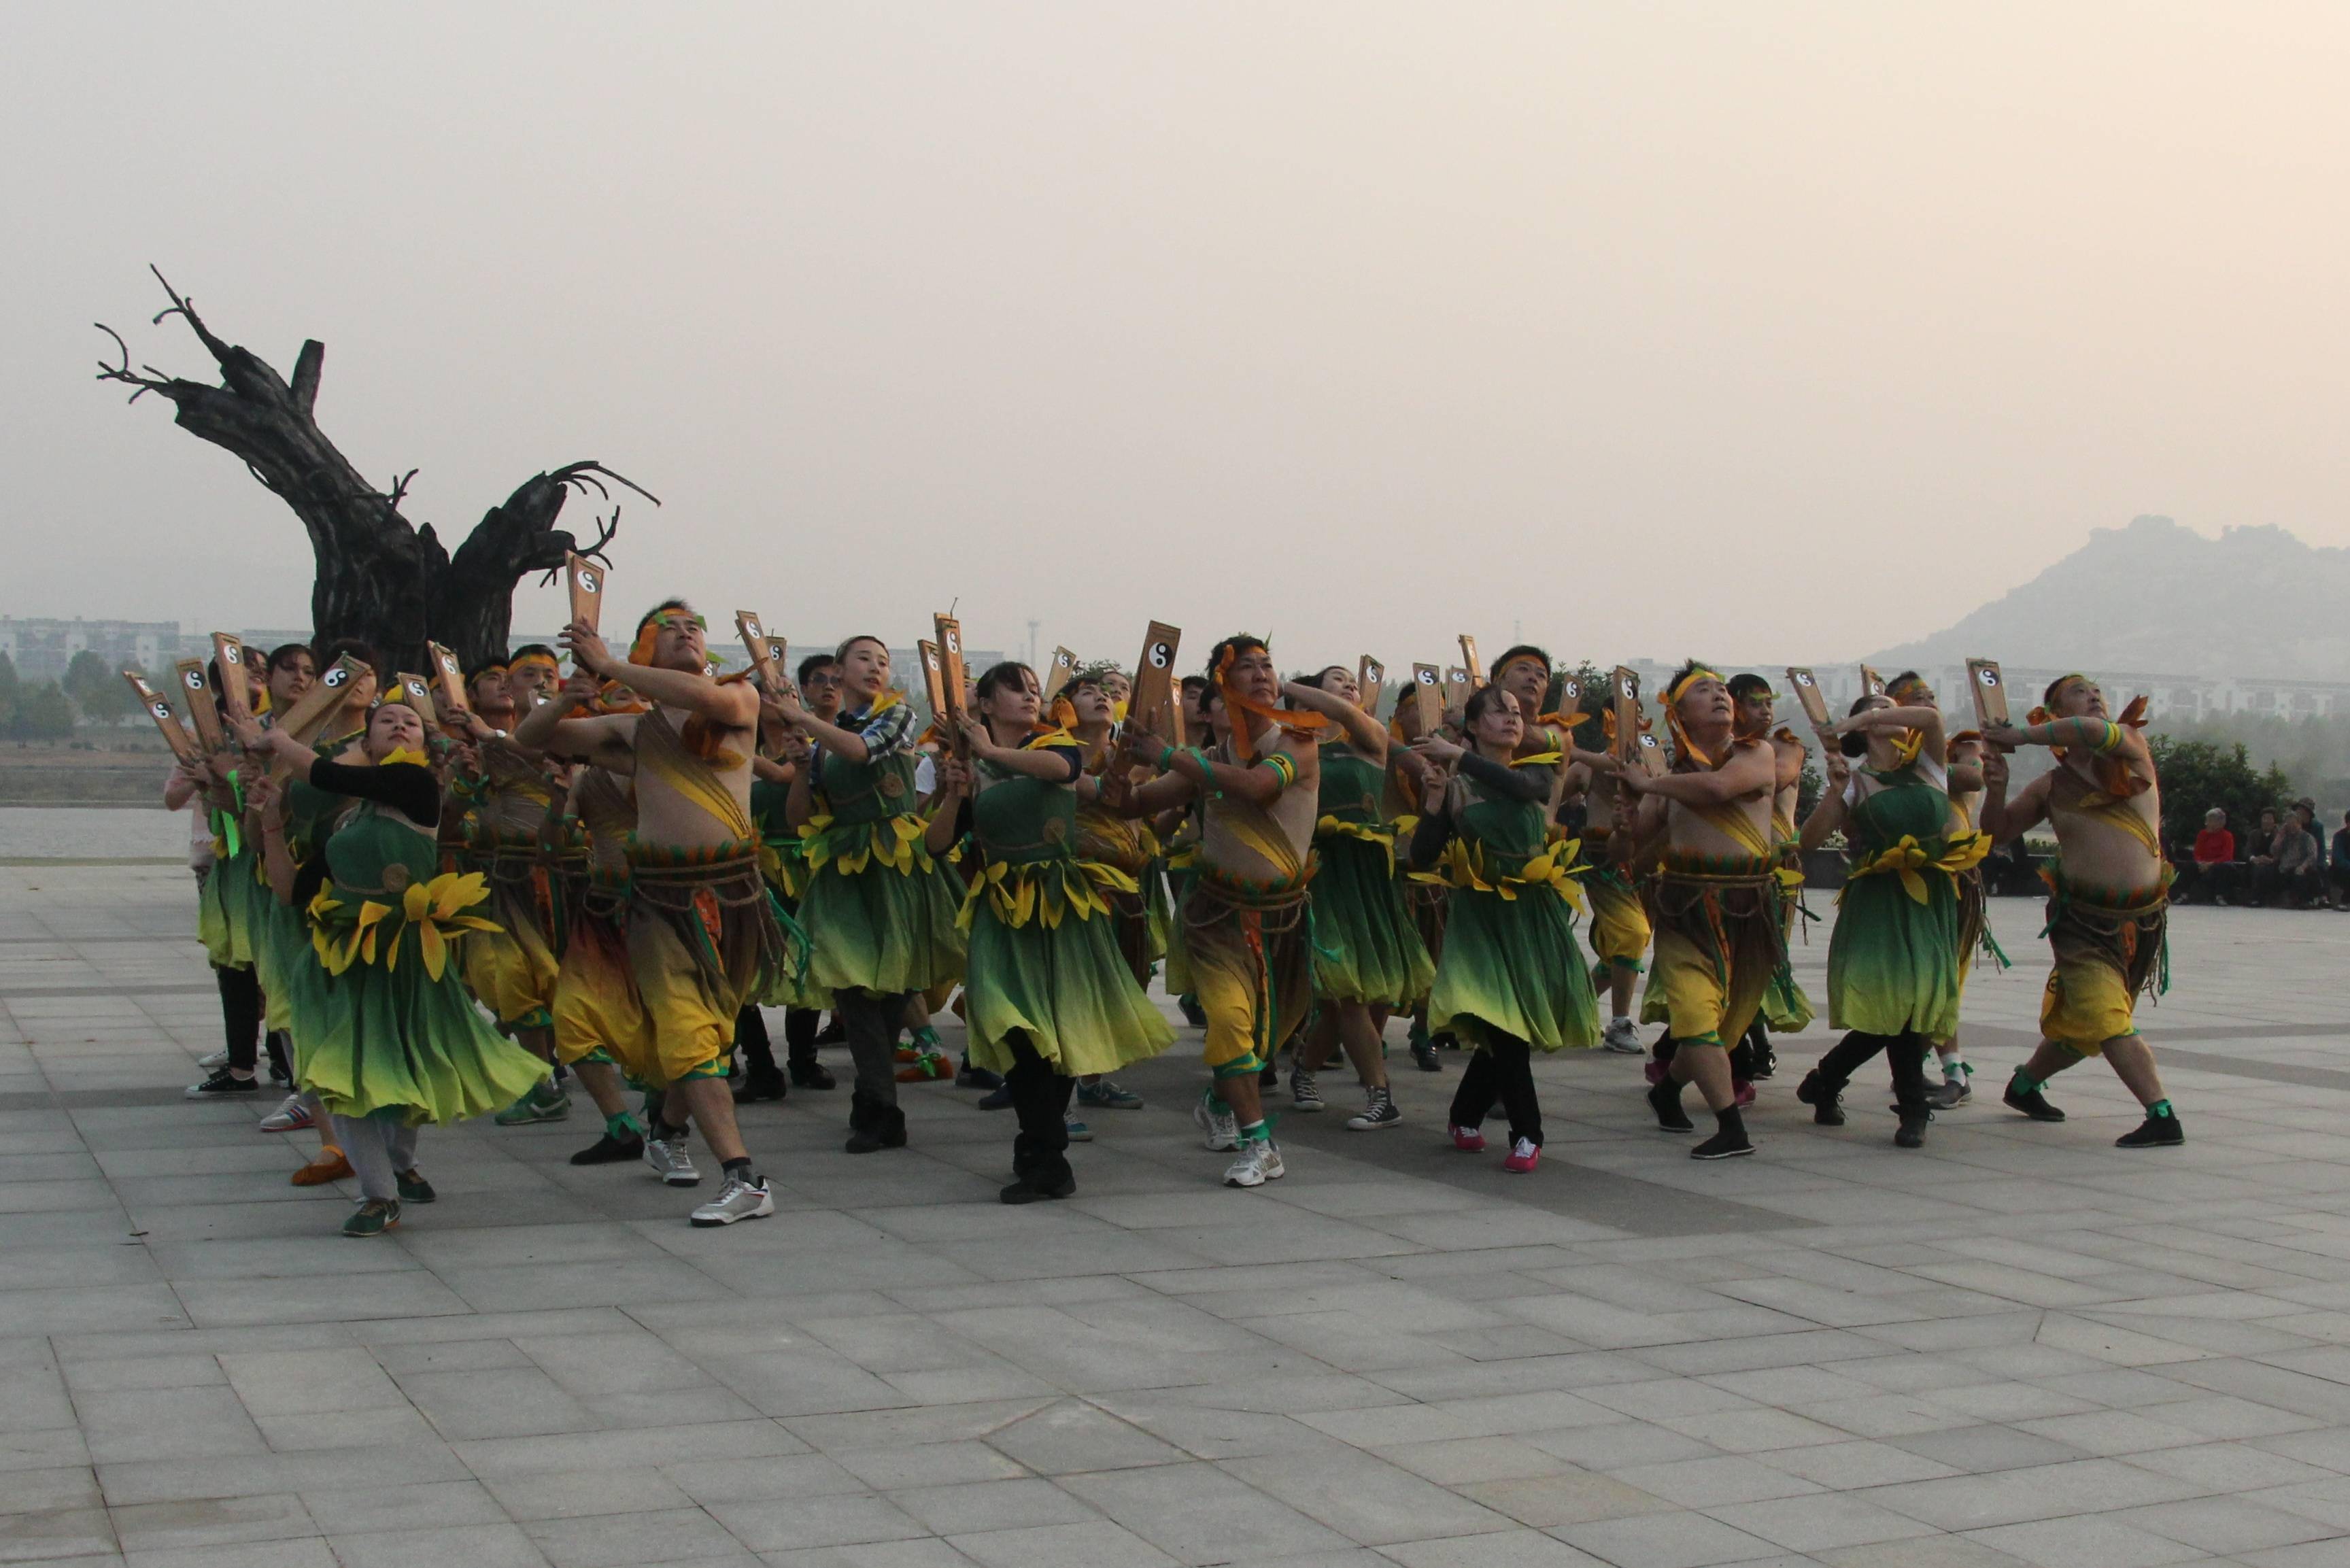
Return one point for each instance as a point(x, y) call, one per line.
point(1893, 962)
point(390, 1037)
point(1048, 993)
point(1369, 958)
point(1513, 978)
point(879, 907)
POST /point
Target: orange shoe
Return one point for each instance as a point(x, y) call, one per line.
point(927, 1068)
point(330, 1166)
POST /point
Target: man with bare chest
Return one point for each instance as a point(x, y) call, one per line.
point(2108, 895)
point(704, 933)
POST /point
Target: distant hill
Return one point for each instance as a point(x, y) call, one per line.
point(2161, 599)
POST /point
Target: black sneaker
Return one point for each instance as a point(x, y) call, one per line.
point(834, 1033)
point(1824, 1101)
point(2034, 1105)
point(223, 1083)
point(1727, 1143)
point(1665, 1099)
point(1424, 1057)
point(754, 1085)
point(970, 1077)
point(1912, 1132)
point(413, 1187)
point(610, 1150)
point(813, 1076)
point(2154, 1132)
point(1026, 1191)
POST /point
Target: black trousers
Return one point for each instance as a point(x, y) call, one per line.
point(1905, 1052)
point(1501, 1069)
point(1040, 1099)
point(872, 1020)
point(239, 995)
point(751, 1034)
point(801, 1026)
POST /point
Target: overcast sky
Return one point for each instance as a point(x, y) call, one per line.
point(1753, 331)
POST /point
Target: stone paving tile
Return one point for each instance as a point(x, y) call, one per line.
point(2016, 1346)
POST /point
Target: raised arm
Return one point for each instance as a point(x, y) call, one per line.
point(1365, 733)
point(2002, 819)
point(1751, 770)
point(1054, 764)
point(1927, 722)
point(734, 704)
point(551, 727)
point(2100, 735)
point(1827, 812)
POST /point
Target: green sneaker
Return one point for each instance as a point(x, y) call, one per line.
point(413, 1187)
point(373, 1218)
point(544, 1102)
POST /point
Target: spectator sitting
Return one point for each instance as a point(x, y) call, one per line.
point(2215, 858)
point(2342, 864)
point(2258, 869)
point(2300, 864)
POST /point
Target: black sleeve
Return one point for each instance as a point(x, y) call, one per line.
point(405, 787)
point(1429, 838)
point(308, 877)
point(1511, 783)
point(1076, 761)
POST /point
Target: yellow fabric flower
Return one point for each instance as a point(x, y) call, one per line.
point(1908, 858)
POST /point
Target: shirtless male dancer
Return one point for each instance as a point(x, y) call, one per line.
point(703, 933)
point(1244, 914)
point(2108, 894)
point(1716, 899)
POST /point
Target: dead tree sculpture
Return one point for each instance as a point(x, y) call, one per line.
point(379, 577)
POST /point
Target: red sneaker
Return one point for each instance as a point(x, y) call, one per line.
point(1524, 1156)
point(1654, 1072)
point(1741, 1092)
point(1467, 1140)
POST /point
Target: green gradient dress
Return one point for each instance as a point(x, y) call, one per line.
point(1367, 945)
point(878, 906)
point(1893, 961)
point(1044, 957)
point(1511, 961)
point(387, 1023)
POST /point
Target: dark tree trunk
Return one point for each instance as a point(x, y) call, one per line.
point(380, 578)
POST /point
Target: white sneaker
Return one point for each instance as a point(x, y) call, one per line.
point(292, 1117)
point(670, 1159)
point(1258, 1162)
point(1623, 1037)
point(738, 1200)
point(213, 1062)
point(1215, 1118)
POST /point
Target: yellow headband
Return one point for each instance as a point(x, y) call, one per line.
point(1697, 673)
point(534, 659)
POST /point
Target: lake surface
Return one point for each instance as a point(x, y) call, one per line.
point(85, 833)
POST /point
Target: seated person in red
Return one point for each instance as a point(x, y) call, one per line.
point(2215, 857)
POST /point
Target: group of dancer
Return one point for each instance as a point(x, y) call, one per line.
point(608, 874)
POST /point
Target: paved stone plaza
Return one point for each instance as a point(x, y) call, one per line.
point(2020, 1346)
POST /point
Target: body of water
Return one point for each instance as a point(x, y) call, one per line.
point(92, 833)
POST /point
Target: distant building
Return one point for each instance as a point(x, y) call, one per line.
point(42, 648)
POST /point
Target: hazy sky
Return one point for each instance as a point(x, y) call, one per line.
point(1747, 329)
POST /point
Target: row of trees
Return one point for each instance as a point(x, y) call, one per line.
point(48, 709)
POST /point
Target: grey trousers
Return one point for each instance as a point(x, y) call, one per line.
point(379, 1146)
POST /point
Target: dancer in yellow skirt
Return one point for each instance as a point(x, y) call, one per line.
point(2108, 894)
point(1715, 896)
point(704, 933)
